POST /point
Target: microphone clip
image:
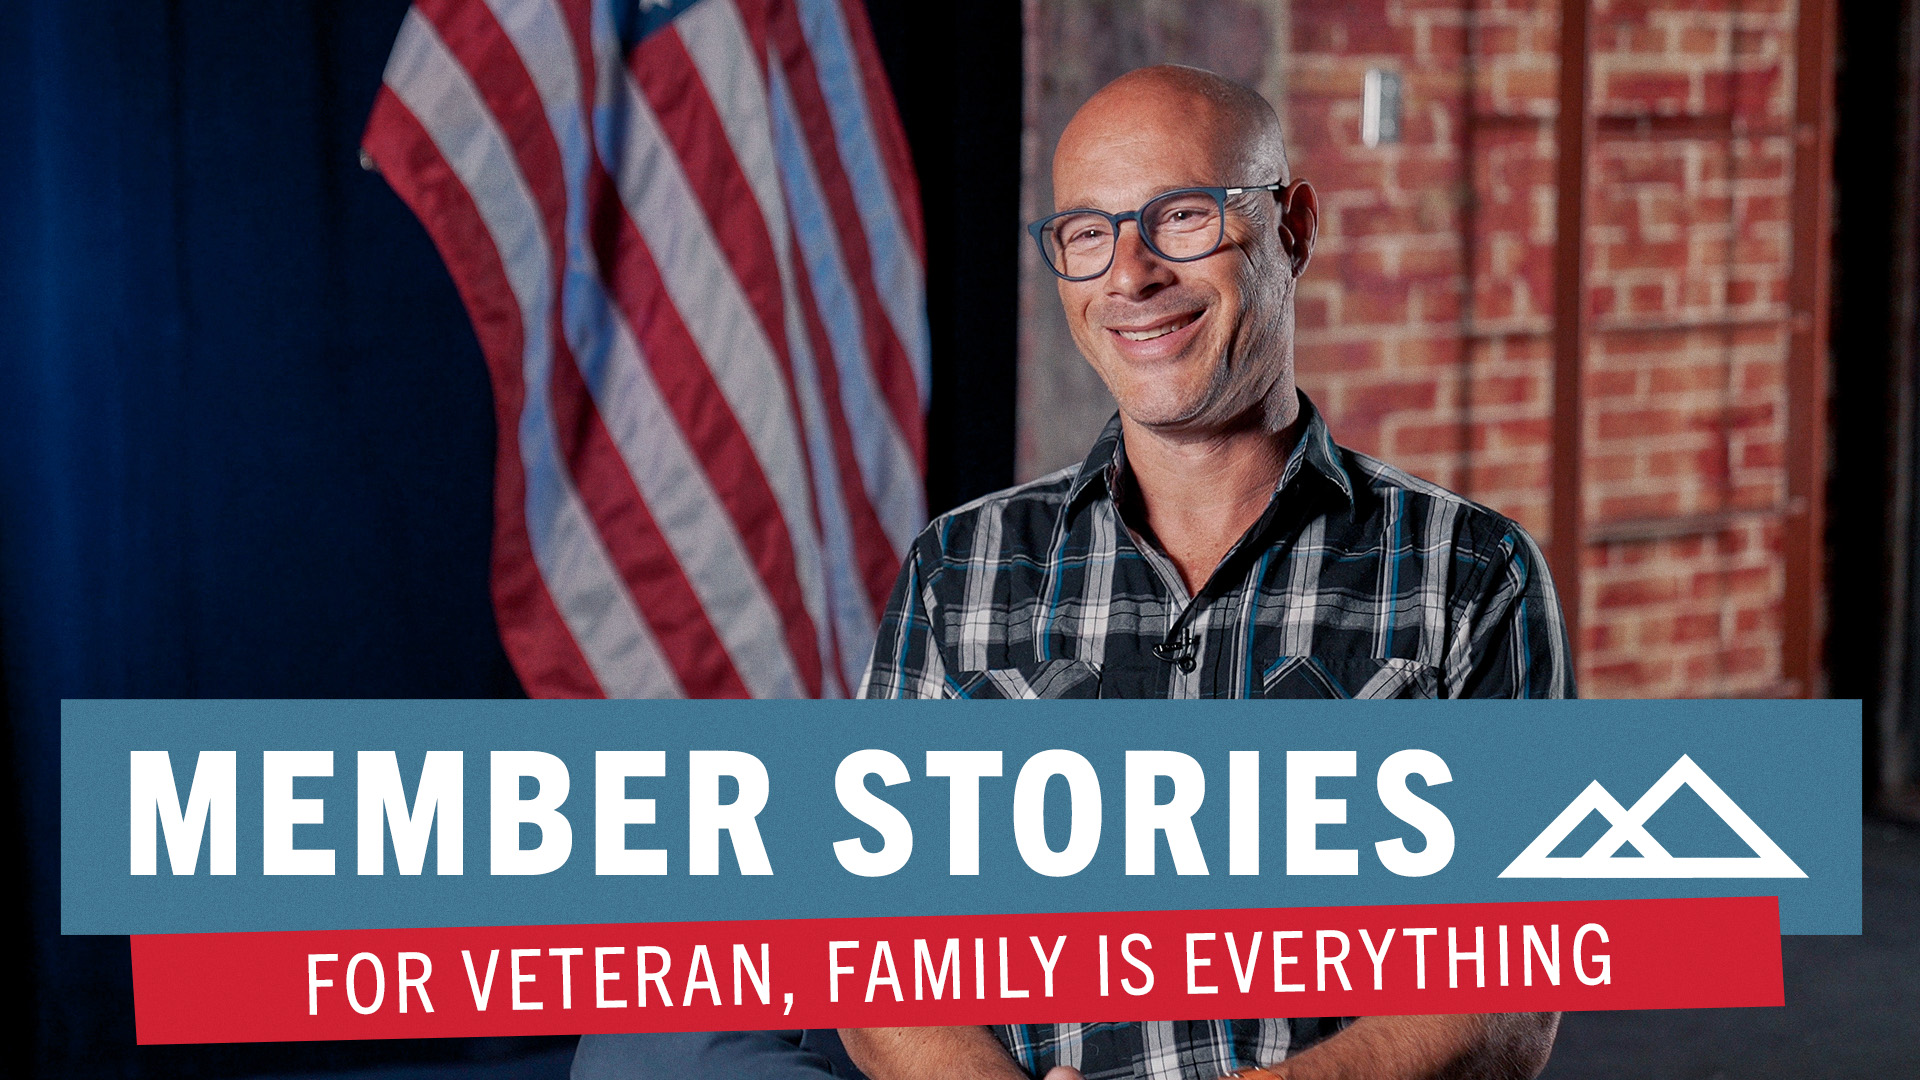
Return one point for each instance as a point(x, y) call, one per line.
point(1179, 650)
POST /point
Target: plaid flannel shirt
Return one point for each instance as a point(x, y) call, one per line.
point(1359, 581)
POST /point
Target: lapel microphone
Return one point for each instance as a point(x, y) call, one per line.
point(1179, 650)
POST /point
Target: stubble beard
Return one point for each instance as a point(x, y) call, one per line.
point(1250, 387)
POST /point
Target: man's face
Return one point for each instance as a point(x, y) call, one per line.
point(1183, 346)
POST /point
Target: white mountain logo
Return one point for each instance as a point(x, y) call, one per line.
point(1602, 860)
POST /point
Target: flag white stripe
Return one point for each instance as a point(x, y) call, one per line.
point(770, 374)
point(681, 498)
point(703, 539)
point(618, 645)
point(890, 473)
point(539, 34)
point(662, 206)
point(716, 39)
point(896, 266)
point(853, 620)
point(722, 52)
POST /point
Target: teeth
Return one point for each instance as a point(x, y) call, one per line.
point(1159, 331)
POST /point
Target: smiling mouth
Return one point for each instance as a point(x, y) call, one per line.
point(1161, 330)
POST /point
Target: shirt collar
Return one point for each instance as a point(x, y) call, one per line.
point(1314, 453)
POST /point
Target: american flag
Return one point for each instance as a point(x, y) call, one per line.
point(689, 239)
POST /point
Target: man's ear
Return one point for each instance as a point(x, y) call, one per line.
point(1299, 223)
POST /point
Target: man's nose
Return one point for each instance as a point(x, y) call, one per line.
point(1136, 270)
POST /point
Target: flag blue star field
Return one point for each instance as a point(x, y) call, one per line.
point(689, 239)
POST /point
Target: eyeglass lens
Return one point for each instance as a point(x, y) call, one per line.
point(1177, 225)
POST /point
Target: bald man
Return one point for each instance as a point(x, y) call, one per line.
point(1216, 542)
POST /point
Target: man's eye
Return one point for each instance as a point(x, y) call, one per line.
point(1091, 234)
point(1185, 216)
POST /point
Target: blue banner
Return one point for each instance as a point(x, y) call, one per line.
point(220, 816)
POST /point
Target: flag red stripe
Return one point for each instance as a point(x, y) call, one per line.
point(666, 74)
point(654, 577)
point(882, 114)
point(692, 125)
point(483, 48)
point(641, 554)
point(538, 643)
point(877, 562)
point(753, 14)
point(861, 517)
point(578, 15)
point(886, 356)
point(712, 431)
point(551, 615)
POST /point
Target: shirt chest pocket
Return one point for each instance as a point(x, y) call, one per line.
point(1365, 678)
point(1048, 679)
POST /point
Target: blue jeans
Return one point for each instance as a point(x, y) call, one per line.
point(748, 1055)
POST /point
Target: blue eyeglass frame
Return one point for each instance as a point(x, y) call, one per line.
point(1037, 229)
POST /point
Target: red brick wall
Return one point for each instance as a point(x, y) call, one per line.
point(1690, 227)
point(1426, 316)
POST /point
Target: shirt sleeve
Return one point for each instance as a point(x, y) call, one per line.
point(906, 659)
point(1511, 639)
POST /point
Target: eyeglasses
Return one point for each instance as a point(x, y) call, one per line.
point(1178, 226)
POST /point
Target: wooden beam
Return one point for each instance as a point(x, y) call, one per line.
point(1802, 645)
point(1573, 134)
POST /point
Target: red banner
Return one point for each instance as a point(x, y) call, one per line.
point(978, 969)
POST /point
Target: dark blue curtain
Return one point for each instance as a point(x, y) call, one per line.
point(245, 434)
point(246, 439)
